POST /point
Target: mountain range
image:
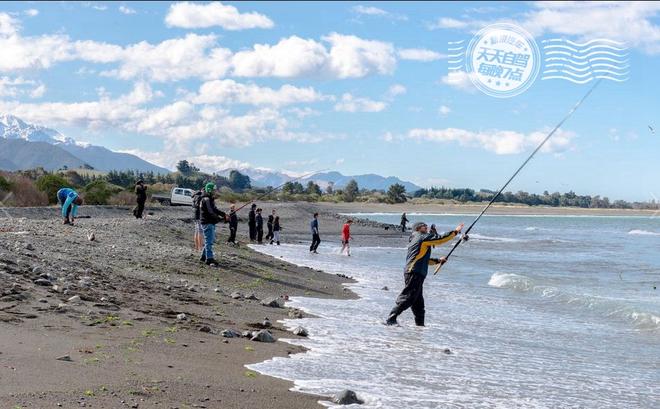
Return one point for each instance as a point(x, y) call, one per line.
point(27, 146)
point(265, 177)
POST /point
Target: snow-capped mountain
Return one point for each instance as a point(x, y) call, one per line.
point(12, 127)
point(26, 146)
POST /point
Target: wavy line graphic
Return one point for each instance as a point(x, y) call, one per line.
point(572, 62)
point(584, 50)
point(605, 77)
point(600, 65)
point(595, 40)
point(586, 56)
point(580, 63)
point(455, 42)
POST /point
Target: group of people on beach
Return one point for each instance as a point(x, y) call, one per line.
point(207, 215)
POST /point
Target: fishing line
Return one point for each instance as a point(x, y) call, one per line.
point(538, 148)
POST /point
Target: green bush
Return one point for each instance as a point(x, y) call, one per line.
point(99, 192)
point(50, 184)
point(5, 185)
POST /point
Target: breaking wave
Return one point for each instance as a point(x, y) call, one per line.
point(605, 307)
point(643, 233)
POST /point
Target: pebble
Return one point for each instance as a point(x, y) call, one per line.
point(182, 317)
point(43, 282)
point(29, 247)
point(65, 358)
point(236, 295)
point(205, 328)
point(300, 331)
point(385, 288)
point(346, 397)
point(230, 333)
point(263, 336)
point(273, 302)
point(74, 300)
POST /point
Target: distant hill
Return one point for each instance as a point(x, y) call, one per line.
point(24, 147)
point(17, 154)
point(263, 178)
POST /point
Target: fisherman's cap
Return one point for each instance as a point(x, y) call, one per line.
point(418, 225)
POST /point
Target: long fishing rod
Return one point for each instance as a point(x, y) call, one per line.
point(277, 188)
point(538, 148)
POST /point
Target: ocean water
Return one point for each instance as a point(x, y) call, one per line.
point(538, 312)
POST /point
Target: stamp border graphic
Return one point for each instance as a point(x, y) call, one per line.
point(535, 57)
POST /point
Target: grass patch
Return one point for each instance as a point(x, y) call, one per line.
point(149, 333)
point(171, 330)
point(249, 349)
point(250, 374)
point(89, 393)
point(170, 341)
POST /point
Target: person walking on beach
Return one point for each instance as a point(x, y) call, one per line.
point(252, 222)
point(233, 225)
point(210, 215)
point(140, 198)
point(417, 263)
point(69, 200)
point(269, 225)
point(346, 237)
point(260, 227)
point(198, 236)
point(404, 220)
point(276, 231)
point(316, 238)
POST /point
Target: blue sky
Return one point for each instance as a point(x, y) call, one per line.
point(355, 87)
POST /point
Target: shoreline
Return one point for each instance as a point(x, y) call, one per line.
point(145, 345)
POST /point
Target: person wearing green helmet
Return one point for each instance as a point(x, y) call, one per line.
point(209, 216)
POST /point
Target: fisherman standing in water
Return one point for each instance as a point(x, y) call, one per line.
point(417, 263)
point(404, 220)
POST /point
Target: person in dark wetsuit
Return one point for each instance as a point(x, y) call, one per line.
point(404, 220)
point(233, 225)
point(140, 198)
point(260, 227)
point(252, 222)
point(269, 225)
point(414, 274)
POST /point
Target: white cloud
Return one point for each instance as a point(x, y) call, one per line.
point(304, 112)
point(290, 57)
point(195, 15)
point(448, 23)
point(8, 25)
point(349, 103)
point(31, 12)
point(499, 142)
point(377, 12)
point(369, 10)
point(339, 161)
point(348, 57)
point(126, 10)
point(353, 57)
point(171, 60)
point(395, 90)
point(419, 54)
point(230, 91)
point(459, 80)
point(444, 110)
point(38, 92)
point(19, 86)
point(198, 56)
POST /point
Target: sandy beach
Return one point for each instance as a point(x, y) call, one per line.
point(99, 323)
